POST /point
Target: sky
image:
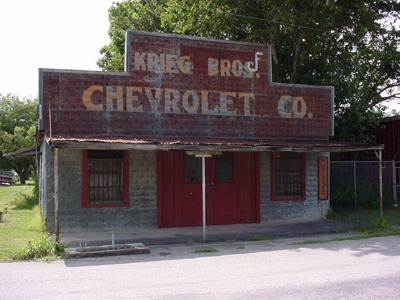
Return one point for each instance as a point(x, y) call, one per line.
point(56, 34)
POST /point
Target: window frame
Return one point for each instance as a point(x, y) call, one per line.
point(302, 197)
point(85, 181)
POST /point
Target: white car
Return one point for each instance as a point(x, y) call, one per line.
point(8, 177)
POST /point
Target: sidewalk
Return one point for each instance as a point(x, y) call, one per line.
point(190, 235)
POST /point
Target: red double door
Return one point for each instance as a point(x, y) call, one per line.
point(231, 189)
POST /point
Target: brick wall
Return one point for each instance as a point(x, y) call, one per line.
point(149, 101)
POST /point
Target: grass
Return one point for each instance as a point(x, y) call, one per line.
point(205, 250)
point(22, 228)
point(365, 224)
point(257, 237)
point(367, 220)
point(18, 226)
point(8, 192)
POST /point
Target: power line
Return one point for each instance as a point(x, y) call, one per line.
point(276, 22)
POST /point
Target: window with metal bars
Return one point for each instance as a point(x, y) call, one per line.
point(288, 176)
point(105, 178)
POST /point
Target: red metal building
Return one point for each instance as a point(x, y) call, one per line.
point(388, 134)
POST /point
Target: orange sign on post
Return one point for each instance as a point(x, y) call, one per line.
point(323, 178)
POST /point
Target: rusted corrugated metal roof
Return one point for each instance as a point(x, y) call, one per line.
point(209, 144)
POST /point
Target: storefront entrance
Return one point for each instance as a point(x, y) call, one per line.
point(231, 188)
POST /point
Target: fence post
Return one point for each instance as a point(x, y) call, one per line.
point(380, 186)
point(355, 183)
point(394, 181)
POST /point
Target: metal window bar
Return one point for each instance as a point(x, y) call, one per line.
point(105, 181)
point(288, 177)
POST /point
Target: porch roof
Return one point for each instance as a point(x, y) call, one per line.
point(208, 144)
point(22, 153)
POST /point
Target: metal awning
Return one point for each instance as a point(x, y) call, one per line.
point(207, 144)
point(26, 152)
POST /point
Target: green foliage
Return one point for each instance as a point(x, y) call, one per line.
point(23, 200)
point(36, 187)
point(352, 45)
point(27, 197)
point(15, 112)
point(19, 225)
point(257, 237)
point(130, 14)
point(46, 247)
point(17, 131)
point(380, 223)
point(363, 198)
point(365, 225)
point(205, 250)
point(342, 200)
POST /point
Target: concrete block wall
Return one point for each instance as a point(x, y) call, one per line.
point(292, 211)
point(142, 210)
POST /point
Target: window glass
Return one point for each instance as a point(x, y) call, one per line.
point(289, 175)
point(224, 167)
point(105, 177)
point(192, 169)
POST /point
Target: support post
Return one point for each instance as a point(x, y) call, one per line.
point(203, 185)
point(379, 156)
point(394, 181)
point(380, 186)
point(355, 183)
point(203, 155)
point(56, 213)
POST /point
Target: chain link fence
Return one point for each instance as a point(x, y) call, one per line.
point(356, 184)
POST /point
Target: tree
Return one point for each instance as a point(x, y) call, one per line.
point(352, 45)
point(17, 131)
point(131, 14)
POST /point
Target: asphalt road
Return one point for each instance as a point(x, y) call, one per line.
point(278, 269)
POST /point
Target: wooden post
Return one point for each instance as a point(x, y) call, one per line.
point(380, 186)
point(56, 214)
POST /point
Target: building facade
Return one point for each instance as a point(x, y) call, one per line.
point(191, 118)
point(388, 133)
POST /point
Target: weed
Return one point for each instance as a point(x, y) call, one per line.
point(257, 237)
point(379, 223)
point(43, 248)
point(25, 200)
point(206, 250)
point(241, 247)
point(310, 242)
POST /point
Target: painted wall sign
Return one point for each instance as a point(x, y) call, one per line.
point(186, 87)
point(323, 182)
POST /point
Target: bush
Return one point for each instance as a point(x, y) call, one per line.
point(45, 247)
point(342, 200)
point(363, 198)
point(27, 200)
point(379, 223)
